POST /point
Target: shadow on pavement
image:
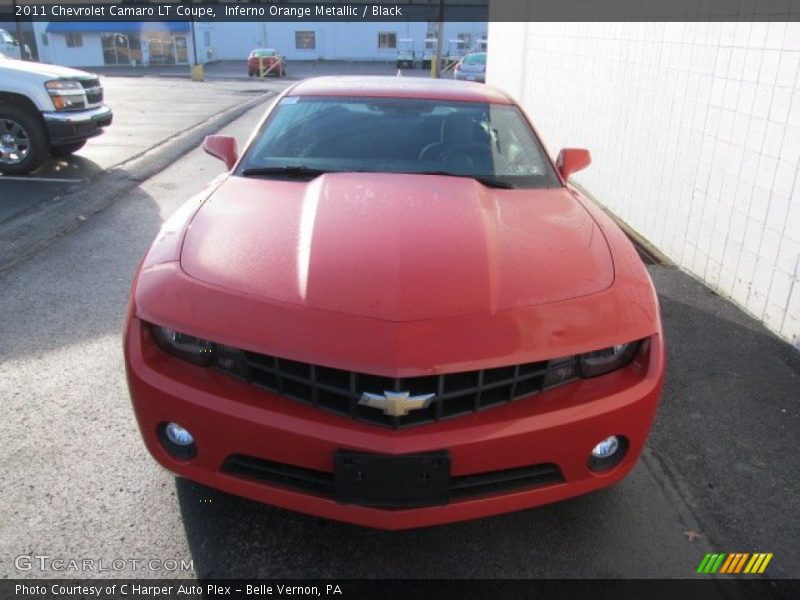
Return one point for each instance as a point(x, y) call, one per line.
point(23, 193)
point(729, 422)
point(234, 537)
point(71, 167)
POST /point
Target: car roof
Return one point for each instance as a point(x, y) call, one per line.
point(400, 87)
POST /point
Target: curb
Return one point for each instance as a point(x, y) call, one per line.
point(30, 232)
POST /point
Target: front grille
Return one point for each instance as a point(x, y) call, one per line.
point(321, 483)
point(339, 391)
point(93, 89)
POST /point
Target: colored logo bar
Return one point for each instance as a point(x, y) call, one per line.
point(737, 562)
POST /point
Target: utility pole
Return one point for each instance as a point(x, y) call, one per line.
point(436, 66)
point(196, 70)
point(20, 41)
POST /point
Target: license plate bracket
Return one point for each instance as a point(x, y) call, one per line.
point(392, 481)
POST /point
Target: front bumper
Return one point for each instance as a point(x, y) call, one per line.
point(232, 418)
point(480, 77)
point(70, 127)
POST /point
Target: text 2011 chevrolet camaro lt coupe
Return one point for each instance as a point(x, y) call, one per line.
point(394, 311)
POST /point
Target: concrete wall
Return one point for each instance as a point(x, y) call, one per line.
point(334, 41)
point(695, 134)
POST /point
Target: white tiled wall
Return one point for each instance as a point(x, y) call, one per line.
point(694, 130)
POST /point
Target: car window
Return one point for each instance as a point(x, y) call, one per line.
point(402, 135)
point(264, 53)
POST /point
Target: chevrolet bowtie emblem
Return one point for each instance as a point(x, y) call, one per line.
point(396, 404)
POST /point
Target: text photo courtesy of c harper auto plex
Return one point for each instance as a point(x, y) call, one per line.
point(372, 299)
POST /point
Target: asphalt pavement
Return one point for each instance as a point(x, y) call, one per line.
point(720, 473)
point(233, 70)
point(155, 122)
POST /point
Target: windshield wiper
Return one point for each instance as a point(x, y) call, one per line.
point(485, 180)
point(290, 171)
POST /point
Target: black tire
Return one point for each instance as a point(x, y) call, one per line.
point(67, 149)
point(29, 136)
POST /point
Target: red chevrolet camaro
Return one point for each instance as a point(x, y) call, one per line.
point(393, 310)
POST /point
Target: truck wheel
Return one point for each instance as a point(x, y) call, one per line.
point(23, 140)
point(66, 149)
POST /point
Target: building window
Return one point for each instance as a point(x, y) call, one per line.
point(305, 40)
point(74, 40)
point(387, 40)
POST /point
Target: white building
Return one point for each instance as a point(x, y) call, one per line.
point(94, 44)
point(99, 44)
point(694, 130)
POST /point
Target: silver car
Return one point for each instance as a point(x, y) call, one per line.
point(471, 68)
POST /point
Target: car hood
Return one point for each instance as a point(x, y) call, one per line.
point(44, 70)
point(396, 247)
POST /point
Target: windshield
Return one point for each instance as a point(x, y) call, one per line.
point(475, 59)
point(262, 53)
point(401, 135)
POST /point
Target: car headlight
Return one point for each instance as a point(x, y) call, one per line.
point(187, 347)
point(66, 94)
point(590, 364)
point(608, 359)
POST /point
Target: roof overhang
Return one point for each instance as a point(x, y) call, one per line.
point(117, 27)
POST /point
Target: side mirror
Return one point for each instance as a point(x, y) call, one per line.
point(572, 160)
point(222, 147)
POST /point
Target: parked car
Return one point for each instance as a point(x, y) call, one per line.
point(471, 68)
point(46, 109)
point(267, 59)
point(394, 310)
point(11, 48)
point(8, 45)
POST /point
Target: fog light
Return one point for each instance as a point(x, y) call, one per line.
point(603, 450)
point(178, 435)
point(608, 453)
point(177, 440)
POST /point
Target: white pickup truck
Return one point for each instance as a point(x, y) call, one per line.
point(46, 110)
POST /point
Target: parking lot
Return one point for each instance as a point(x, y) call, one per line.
point(719, 474)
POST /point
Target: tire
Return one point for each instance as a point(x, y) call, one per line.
point(23, 140)
point(66, 149)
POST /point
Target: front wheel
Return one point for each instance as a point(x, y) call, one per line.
point(23, 140)
point(67, 149)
